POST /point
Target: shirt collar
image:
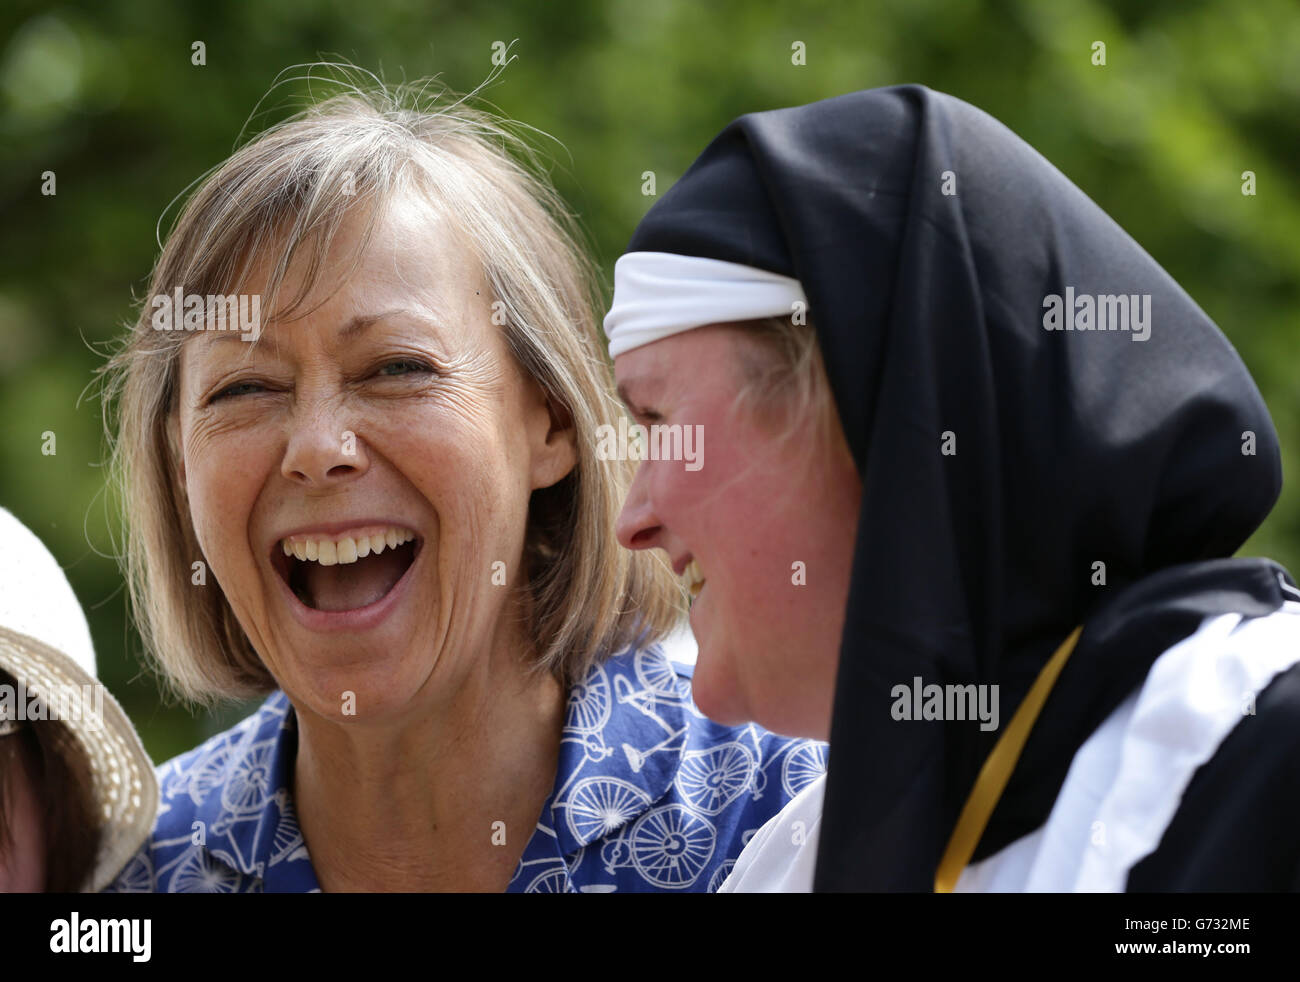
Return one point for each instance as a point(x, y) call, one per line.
point(248, 815)
point(621, 747)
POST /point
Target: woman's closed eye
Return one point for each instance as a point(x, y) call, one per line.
point(395, 368)
point(246, 387)
point(403, 366)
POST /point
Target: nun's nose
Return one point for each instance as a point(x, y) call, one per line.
point(638, 526)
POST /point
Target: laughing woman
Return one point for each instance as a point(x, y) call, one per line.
point(952, 474)
point(383, 506)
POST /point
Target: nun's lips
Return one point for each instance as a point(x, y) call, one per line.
point(694, 577)
point(688, 568)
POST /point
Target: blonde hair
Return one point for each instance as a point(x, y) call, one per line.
point(783, 378)
point(587, 597)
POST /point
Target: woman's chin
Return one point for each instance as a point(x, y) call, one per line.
point(350, 677)
point(359, 694)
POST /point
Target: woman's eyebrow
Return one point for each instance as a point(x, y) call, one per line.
point(358, 324)
point(361, 322)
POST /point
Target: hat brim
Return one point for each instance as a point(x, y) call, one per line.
point(124, 785)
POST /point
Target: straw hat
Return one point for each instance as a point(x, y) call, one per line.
point(45, 645)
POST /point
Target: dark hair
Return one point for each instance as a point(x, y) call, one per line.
point(48, 754)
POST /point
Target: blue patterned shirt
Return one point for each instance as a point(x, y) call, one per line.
point(649, 795)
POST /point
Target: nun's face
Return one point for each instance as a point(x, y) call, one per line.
point(769, 526)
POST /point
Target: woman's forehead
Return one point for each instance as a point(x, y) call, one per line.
point(403, 266)
point(411, 275)
point(408, 245)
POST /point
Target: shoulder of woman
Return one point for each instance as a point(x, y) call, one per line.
point(203, 793)
point(191, 783)
point(1234, 827)
point(1218, 722)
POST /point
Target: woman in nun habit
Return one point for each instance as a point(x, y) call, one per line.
point(1002, 587)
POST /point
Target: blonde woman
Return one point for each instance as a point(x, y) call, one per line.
point(382, 507)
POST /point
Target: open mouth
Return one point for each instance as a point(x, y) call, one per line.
point(346, 571)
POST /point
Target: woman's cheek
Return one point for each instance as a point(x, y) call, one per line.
point(221, 499)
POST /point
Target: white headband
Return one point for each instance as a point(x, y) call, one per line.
point(658, 294)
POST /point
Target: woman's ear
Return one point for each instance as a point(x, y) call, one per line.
point(554, 447)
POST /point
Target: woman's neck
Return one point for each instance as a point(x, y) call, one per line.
point(445, 798)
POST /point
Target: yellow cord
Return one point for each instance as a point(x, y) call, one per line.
point(996, 772)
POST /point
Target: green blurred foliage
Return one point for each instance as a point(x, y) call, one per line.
point(104, 94)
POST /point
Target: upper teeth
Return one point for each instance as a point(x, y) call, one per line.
point(332, 550)
point(694, 577)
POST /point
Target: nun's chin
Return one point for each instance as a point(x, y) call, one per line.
point(719, 703)
point(717, 689)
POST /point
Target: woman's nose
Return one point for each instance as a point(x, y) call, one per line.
point(638, 526)
point(323, 450)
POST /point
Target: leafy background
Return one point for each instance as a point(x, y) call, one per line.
point(104, 94)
